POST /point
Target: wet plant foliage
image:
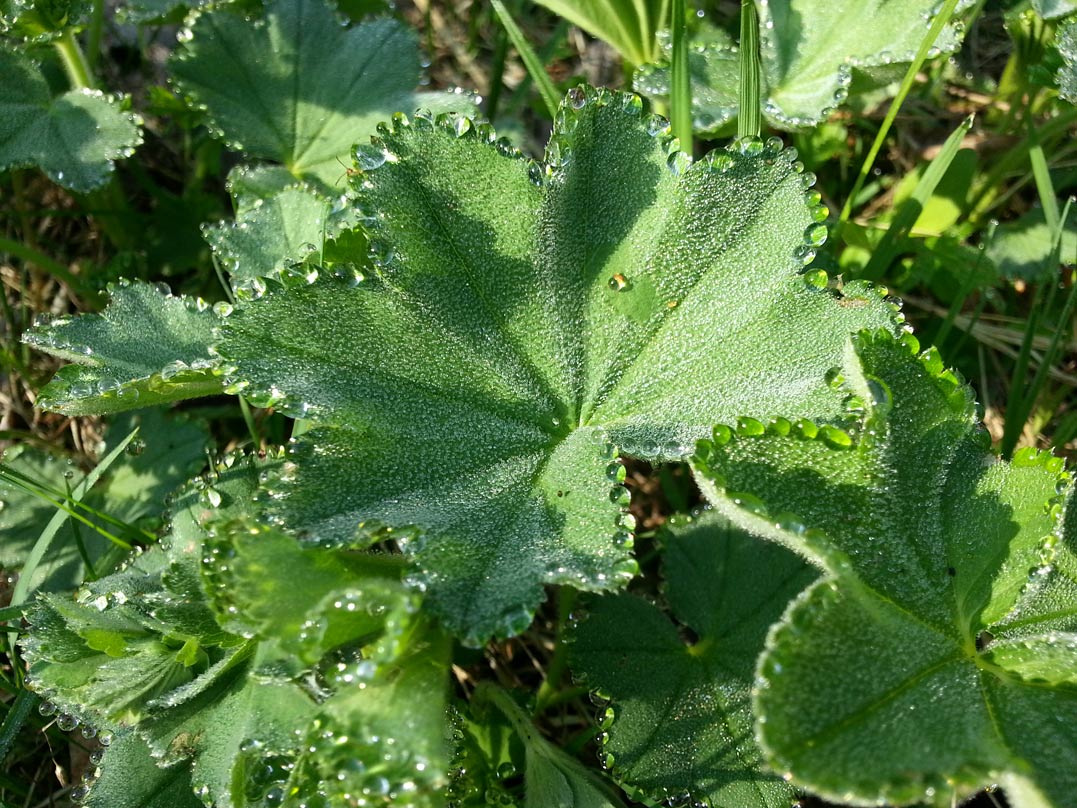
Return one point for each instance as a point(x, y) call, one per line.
point(374, 520)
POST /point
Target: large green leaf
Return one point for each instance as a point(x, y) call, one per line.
point(524, 321)
point(680, 718)
point(938, 656)
point(146, 348)
point(74, 138)
point(1053, 9)
point(298, 87)
point(629, 25)
point(811, 51)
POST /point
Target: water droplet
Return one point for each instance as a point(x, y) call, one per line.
point(619, 283)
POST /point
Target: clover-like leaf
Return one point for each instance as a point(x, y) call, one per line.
point(679, 718)
point(276, 232)
point(146, 348)
point(299, 88)
point(523, 321)
point(811, 52)
point(937, 656)
point(74, 138)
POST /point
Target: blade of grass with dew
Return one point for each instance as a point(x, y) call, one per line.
point(940, 22)
point(749, 118)
point(44, 542)
point(909, 211)
point(550, 97)
point(680, 95)
point(66, 502)
point(17, 713)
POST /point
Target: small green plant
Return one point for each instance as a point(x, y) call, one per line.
point(437, 404)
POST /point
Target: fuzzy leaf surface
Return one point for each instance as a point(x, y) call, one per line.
point(1066, 40)
point(131, 778)
point(74, 138)
point(299, 88)
point(283, 229)
point(146, 348)
point(811, 51)
point(937, 656)
point(514, 333)
point(681, 714)
point(1053, 9)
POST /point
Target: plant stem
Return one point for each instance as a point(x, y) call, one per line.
point(78, 69)
point(749, 119)
point(93, 34)
point(940, 22)
point(547, 692)
point(680, 96)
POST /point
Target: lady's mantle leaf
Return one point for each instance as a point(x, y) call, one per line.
point(810, 50)
point(680, 717)
point(523, 320)
point(298, 87)
point(1067, 47)
point(939, 655)
point(130, 778)
point(146, 348)
point(74, 138)
point(282, 230)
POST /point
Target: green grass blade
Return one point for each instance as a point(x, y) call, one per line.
point(1024, 397)
point(940, 21)
point(550, 97)
point(17, 714)
point(749, 119)
point(680, 96)
point(44, 542)
point(909, 211)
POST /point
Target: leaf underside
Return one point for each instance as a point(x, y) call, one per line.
point(146, 348)
point(681, 714)
point(522, 322)
point(299, 88)
point(938, 656)
point(74, 138)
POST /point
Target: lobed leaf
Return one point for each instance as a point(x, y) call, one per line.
point(74, 138)
point(146, 348)
point(811, 52)
point(275, 232)
point(299, 88)
point(935, 658)
point(524, 320)
point(679, 719)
